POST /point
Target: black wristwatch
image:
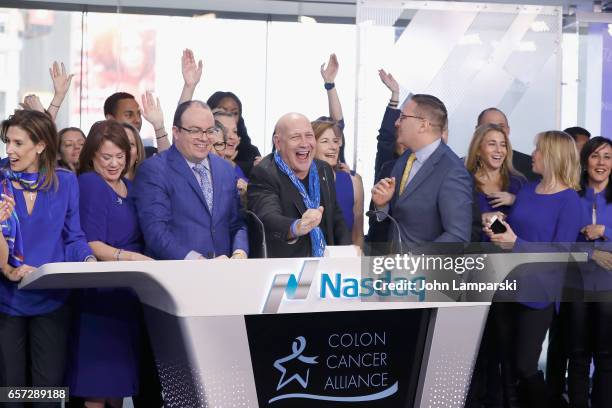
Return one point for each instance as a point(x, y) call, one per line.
point(329, 85)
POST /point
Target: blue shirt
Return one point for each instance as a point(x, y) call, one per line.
point(52, 233)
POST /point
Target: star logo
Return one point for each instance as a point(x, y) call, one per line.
point(297, 347)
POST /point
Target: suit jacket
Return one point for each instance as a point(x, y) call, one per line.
point(173, 213)
point(277, 202)
point(522, 163)
point(436, 205)
point(385, 145)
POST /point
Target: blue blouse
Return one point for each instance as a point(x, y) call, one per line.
point(592, 276)
point(543, 218)
point(52, 233)
point(516, 183)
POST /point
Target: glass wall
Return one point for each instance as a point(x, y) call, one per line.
point(272, 66)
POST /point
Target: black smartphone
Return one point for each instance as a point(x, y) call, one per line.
point(497, 226)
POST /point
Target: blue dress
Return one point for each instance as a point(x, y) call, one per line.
point(543, 218)
point(104, 346)
point(52, 233)
point(345, 196)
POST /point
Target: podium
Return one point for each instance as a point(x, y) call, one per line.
point(288, 333)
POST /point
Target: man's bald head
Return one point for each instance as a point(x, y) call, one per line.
point(295, 141)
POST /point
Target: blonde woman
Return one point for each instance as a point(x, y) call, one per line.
point(544, 211)
point(489, 161)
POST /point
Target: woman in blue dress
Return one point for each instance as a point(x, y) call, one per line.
point(105, 355)
point(544, 212)
point(590, 321)
point(489, 160)
point(34, 324)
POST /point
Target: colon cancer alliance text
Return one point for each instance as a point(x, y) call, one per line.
point(434, 285)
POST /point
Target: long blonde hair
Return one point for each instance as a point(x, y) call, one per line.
point(472, 161)
point(560, 158)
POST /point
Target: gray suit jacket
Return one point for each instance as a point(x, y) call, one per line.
point(436, 205)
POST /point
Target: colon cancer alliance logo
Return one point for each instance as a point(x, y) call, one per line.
point(296, 368)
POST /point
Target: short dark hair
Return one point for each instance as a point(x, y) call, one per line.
point(101, 131)
point(577, 130)
point(492, 109)
point(178, 114)
point(433, 109)
point(110, 104)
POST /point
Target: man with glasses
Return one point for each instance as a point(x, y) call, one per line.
point(429, 192)
point(187, 200)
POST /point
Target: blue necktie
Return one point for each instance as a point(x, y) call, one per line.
point(205, 183)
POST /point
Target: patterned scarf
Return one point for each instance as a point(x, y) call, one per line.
point(10, 227)
point(311, 199)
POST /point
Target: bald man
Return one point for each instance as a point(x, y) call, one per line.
point(294, 195)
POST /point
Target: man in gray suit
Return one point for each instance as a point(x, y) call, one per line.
point(429, 192)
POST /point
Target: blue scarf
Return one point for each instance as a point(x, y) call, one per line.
point(10, 227)
point(311, 199)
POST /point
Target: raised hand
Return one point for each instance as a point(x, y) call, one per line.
point(61, 79)
point(390, 83)
point(382, 192)
point(501, 198)
point(32, 102)
point(192, 72)
point(152, 111)
point(329, 73)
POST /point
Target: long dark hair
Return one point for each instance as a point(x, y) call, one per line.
point(40, 128)
point(588, 149)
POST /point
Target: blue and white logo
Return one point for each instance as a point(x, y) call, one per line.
point(298, 346)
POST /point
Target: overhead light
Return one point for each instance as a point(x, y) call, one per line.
point(539, 27)
point(527, 46)
point(470, 39)
point(307, 20)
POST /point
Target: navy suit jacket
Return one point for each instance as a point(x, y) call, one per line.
point(436, 205)
point(173, 213)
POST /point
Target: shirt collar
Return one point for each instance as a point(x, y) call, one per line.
point(424, 152)
point(204, 162)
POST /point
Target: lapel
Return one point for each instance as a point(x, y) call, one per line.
point(424, 171)
point(179, 164)
point(216, 170)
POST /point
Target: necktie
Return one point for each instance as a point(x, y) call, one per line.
point(406, 173)
point(205, 183)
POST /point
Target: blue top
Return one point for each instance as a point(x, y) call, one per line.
point(107, 217)
point(592, 276)
point(240, 173)
point(345, 196)
point(543, 218)
point(52, 233)
point(516, 183)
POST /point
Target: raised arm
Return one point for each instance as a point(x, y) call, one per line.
point(152, 112)
point(61, 85)
point(329, 76)
point(192, 73)
point(385, 147)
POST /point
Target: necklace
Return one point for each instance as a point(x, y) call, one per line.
point(32, 195)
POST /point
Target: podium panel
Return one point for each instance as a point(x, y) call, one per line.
point(216, 347)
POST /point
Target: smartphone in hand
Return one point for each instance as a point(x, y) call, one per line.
point(496, 225)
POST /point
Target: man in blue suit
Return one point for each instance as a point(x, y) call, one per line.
point(187, 201)
point(429, 192)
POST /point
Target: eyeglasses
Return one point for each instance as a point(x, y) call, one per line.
point(197, 132)
point(402, 117)
point(219, 146)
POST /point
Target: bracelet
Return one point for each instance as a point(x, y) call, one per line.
point(161, 128)
point(56, 106)
point(118, 253)
point(161, 137)
point(329, 85)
